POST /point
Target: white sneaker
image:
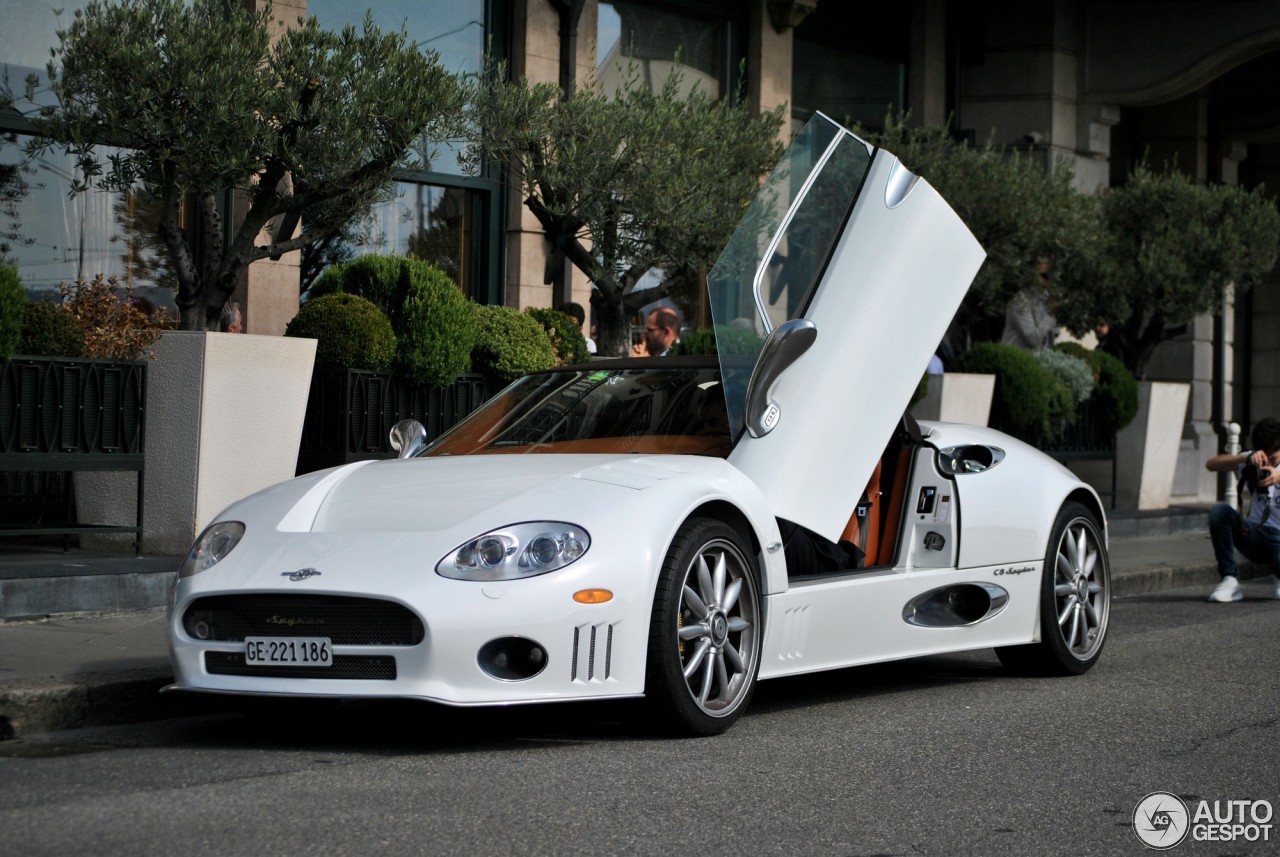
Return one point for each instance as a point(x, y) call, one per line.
point(1228, 590)
point(1275, 593)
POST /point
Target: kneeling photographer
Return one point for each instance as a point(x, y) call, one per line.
point(1257, 535)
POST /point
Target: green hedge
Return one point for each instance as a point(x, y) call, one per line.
point(13, 303)
point(709, 340)
point(50, 330)
point(1029, 402)
point(567, 341)
point(433, 321)
point(349, 331)
point(509, 343)
point(1115, 390)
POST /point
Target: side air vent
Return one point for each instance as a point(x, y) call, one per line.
point(955, 605)
point(592, 653)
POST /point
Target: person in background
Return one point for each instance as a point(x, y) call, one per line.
point(1257, 536)
point(1029, 324)
point(661, 331)
point(578, 314)
point(231, 320)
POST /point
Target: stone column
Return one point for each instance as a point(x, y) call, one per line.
point(927, 72)
point(769, 43)
point(535, 56)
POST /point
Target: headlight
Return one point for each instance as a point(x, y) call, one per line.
point(521, 550)
point(212, 547)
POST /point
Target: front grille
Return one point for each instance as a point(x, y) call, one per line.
point(345, 620)
point(366, 667)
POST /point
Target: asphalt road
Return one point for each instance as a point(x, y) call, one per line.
point(934, 756)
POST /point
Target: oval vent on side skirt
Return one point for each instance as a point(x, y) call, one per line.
point(955, 605)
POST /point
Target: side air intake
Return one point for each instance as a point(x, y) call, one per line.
point(955, 605)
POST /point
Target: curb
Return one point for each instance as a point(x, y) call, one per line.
point(1142, 581)
point(98, 699)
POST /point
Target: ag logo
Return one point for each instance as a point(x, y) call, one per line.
point(1161, 820)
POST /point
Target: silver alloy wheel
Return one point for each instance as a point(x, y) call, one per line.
point(717, 627)
point(1080, 589)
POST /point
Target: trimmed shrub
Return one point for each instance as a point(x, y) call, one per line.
point(922, 390)
point(431, 318)
point(50, 330)
point(375, 278)
point(567, 341)
point(1075, 349)
point(510, 343)
point(708, 340)
point(13, 301)
point(349, 331)
point(437, 331)
point(1115, 393)
point(1075, 373)
point(1029, 402)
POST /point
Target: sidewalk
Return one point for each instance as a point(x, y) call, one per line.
point(81, 669)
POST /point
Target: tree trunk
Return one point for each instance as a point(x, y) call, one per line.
point(613, 337)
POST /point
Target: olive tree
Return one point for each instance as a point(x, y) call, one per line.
point(623, 184)
point(1172, 249)
point(199, 102)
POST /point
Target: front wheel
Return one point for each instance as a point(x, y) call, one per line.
point(705, 631)
point(1075, 600)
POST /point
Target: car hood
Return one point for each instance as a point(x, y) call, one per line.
point(437, 493)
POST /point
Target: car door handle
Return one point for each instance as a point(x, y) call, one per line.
point(784, 346)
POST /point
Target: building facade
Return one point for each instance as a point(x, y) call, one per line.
point(1099, 84)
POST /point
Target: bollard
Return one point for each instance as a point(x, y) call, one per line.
point(1227, 485)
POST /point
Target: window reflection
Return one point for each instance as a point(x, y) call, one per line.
point(453, 29)
point(429, 222)
point(635, 39)
point(54, 237)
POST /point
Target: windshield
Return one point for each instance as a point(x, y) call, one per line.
point(668, 406)
point(776, 257)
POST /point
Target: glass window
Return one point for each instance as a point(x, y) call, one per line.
point(30, 31)
point(441, 225)
point(639, 39)
point(54, 237)
point(454, 29)
point(447, 221)
point(850, 62)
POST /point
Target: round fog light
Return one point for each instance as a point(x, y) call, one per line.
point(512, 658)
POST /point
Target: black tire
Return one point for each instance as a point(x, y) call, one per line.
point(1075, 600)
point(705, 631)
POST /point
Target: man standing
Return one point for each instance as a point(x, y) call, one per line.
point(1257, 537)
point(661, 331)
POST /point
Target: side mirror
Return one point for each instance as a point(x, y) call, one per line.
point(408, 437)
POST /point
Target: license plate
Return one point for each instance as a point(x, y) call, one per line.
point(294, 651)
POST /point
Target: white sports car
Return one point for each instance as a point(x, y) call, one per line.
point(680, 528)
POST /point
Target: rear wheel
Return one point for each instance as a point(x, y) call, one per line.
point(1075, 600)
point(705, 632)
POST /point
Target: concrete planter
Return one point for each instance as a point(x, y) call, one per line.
point(224, 419)
point(957, 397)
point(1147, 448)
